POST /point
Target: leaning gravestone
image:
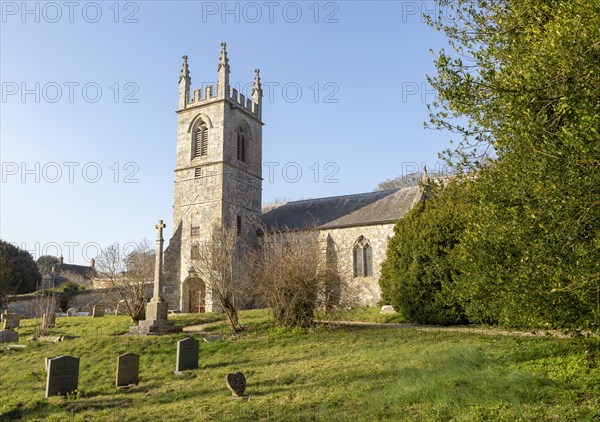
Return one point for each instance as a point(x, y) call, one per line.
point(63, 376)
point(98, 311)
point(128, 368)
point(236, 383)
point(72, 312)
point(187, 355)
point(9, 336)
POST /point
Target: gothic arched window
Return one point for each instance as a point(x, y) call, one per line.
point(242, 139)
point(200, 140)
point(362, 255)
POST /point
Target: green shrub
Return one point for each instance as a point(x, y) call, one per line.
point(421, 267)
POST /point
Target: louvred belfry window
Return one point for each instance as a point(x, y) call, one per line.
point(200, 141)
point(241, 144)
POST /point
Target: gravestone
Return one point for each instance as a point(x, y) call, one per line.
point(72, 312)
point(63, 376)
point(9, 336)
point(49, 320)
point(10, 321)
point(128, 369)
point(187, 355)
point(236, 383)
point(98, 311)
point(387, 309)
point(120, 308)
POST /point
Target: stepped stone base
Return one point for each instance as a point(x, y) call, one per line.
point(148, 327)
point(156, 321)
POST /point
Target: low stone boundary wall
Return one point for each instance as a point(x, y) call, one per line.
point(28, 306)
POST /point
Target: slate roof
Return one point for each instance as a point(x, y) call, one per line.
point(342, 211)
point(81, 270)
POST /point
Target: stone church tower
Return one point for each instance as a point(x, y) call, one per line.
point(218, 177)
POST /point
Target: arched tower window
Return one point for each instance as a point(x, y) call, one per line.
point(200, 140)
point(242, 139)
point(362, 255)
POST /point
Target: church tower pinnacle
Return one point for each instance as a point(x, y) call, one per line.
point(223, 69)
point(184, 84)
point(257, 92)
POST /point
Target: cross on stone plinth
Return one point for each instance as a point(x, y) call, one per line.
point(156, 321)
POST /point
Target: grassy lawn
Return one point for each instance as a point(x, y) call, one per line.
point(319, 374)
point(365, 314)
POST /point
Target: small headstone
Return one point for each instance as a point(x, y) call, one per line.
point(49, 320)
point(120, 308)
point(236, 382)
point(187, 355)
point(211, 339)
point(98, 311)
point(128, 368)
point(72, 312)
point(9, 336)
point(63, 376)
point(10, 321)
point(387, 309)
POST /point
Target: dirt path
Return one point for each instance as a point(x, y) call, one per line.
point(200, 327)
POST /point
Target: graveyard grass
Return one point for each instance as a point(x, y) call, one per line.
point(323, 373)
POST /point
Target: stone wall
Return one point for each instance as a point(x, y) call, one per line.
point(27, 306)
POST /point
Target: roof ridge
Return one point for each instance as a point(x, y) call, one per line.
point(348, 195)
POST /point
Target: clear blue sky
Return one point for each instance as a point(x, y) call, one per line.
point(354, 103)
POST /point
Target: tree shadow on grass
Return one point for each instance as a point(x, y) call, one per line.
point(45, 408)
point(238, 362)
point(100, 403)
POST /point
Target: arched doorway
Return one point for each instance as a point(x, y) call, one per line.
point(193, 295)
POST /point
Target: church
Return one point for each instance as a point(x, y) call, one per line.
point(218, 183)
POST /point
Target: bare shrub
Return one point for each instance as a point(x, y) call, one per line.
point(293, 275)
point(46, 305)
point(220, 262)
point(128, 278)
